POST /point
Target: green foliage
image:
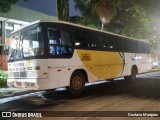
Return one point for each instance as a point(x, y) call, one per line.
point(138, 24)
point(3, 75)
point(3, 78)
point(5, 5)
point(9, 91)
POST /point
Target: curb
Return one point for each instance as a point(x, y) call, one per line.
point(18, 93)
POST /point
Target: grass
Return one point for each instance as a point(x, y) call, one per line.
point(3, 84)
point(9, 91)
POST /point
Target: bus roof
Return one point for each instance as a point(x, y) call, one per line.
point(76, 25)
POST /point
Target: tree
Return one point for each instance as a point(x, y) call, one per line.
point(63, 10)
point(133, 18)
point(135, 22)
point(104, 9)
point(5, 5)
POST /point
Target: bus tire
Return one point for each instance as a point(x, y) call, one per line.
point(77, 83)
point(132, 77)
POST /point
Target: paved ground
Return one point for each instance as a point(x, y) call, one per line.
point(141, 95)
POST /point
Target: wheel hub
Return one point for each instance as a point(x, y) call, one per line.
point(77, 82)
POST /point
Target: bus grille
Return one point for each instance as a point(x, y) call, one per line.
point(24, 74)
point(29, 85)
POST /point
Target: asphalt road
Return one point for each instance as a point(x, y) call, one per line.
point(120, 95)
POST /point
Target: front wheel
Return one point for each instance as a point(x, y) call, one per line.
point(77, 83)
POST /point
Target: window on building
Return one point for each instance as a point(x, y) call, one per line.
point(9, 28)
point(0, 32)
point(1, 48)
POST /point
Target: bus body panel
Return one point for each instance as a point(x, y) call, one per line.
point(102, 64)
point(53, 73)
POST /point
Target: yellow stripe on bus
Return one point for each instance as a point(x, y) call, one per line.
point(102, 64)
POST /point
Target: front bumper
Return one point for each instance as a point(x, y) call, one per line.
point(30, 84)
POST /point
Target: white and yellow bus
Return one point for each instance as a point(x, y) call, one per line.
point(52, 54)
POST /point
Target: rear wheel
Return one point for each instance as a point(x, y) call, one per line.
point(77, 83)
point(132, 77)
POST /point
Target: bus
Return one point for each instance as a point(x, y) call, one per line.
point(51, 54)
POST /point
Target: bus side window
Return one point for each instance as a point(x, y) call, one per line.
point(91, 40)
point(65, 38)
point(146, 48)
point(59, 42)
point(80, 39)
point(121, 45)
point(104, 43)
point(52, 50)
point(54, 36)
point(111, 44)
point(140, 47)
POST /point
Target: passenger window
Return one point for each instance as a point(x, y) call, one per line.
point(140, 47)
point(104, 43)
point(85, 39)
point(59, 43)
point(111, 44)
point(121, 45)
point(92, 39)
point(146, 48)
point(80, 39)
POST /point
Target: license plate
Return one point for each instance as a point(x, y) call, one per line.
point(18, 84)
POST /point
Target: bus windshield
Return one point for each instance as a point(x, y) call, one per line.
point(26, 44)
point(15, 51)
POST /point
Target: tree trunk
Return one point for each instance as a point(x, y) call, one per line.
point(63, 10)
point(102, 26)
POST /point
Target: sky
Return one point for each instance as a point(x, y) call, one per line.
point(47, 6)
